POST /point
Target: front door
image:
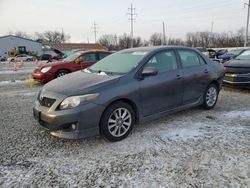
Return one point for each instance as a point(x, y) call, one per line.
point(164, 90)
point(85, 61)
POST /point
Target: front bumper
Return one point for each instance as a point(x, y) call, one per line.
point(42, 77)
point(59, 123)
point(237, 80)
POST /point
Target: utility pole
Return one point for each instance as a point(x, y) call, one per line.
point(95, 27)
point(212, 26)
point(131, 14)
point(164, 35)
point(246, 37)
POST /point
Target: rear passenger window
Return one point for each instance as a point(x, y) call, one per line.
point(163, 61)
point(189, 58)
point(102, 55)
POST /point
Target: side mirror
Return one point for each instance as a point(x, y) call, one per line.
point(149, 71)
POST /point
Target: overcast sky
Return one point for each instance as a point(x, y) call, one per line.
point(77, 16)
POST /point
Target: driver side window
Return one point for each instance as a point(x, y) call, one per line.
point(163, 61)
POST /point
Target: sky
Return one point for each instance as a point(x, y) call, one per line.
point(76, 17)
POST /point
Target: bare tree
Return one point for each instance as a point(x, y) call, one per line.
point(156, 39)
point(20, 34)
point(124, 41)
point(110, 41)
point(52, 36)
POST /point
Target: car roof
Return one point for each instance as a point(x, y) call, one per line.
point(157, 48)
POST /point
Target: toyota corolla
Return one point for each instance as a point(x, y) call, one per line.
point(126, 88)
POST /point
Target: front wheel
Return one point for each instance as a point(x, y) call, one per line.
point(210, 97)
point(117, 121)
point(61, 73)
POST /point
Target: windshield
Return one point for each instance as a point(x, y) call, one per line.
point(72, 57)
point(120, 62)
point(244, 56)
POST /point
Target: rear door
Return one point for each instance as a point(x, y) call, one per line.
point(164, 90)
point(195, 74)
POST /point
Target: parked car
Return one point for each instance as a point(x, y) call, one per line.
point(72, 63)
point(21, 57)
point(45, 57)
point(203, 50)
point(2, 58)
point(230, 55)
point(212, 53)
point(220, 52)
point(238, 71)
point(127, 87)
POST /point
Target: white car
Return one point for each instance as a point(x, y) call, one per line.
point(21, 57)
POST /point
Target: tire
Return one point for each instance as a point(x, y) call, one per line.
point(210, 97)
point(28, 60)
point(61, 73)
point(117, 121)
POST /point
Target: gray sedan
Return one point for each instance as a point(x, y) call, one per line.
point(125, 88)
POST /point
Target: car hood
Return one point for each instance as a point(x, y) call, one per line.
point(238, 63)
point(53, 64)
point(79, 82)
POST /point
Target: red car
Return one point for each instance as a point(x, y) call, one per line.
point(74, 62)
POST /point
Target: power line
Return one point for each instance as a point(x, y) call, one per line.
point(95, 28)
point(131, 14)
point(246, 37)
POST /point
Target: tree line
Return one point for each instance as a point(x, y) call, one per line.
point(44, 37)
point(114, 42)
point(193, 39)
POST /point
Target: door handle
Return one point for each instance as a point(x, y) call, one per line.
point(206, 71)
point(178, 76)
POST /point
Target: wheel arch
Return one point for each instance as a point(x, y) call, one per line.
point(61, 69)
point(129, 102)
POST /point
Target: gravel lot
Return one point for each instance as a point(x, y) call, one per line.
point(193, 148)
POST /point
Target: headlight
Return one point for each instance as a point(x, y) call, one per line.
point(74, 101)
point(45, 69)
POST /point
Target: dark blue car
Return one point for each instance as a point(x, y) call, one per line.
point(231, 55)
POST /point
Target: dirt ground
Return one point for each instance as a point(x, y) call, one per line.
point(193, 148)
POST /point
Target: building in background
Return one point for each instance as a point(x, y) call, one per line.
point(10, 46)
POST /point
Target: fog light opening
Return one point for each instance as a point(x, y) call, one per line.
point(73, 126)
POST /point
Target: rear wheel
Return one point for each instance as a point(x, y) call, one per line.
point(61, 73)
point(210, 97)
point(117, 121)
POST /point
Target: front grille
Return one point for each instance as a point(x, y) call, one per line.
point(238, 70)
point(45, 101)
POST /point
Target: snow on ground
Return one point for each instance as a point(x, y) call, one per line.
point(19, 71)
point(193, 148)
point(238, 114)
point(8, 82)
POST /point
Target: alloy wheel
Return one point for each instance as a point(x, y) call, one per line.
point(211, 96)
point(119, 122)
